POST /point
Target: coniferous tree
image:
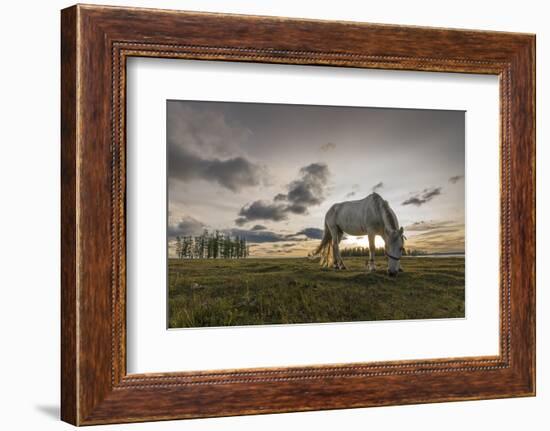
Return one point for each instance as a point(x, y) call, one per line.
point(242, 247)
point(237, 247)
point(197, 247)
point(178, 247)
point(217, 245)
point(190, 247)
point(184, 248)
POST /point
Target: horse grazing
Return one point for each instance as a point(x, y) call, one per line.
point(370, 216)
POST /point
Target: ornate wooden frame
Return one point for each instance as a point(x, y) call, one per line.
point(95, 43)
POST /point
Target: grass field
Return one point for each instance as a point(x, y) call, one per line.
point(282, 291)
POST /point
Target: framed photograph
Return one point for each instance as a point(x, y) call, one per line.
point(250, 235)
point(264, 215)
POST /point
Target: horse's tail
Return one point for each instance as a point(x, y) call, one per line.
point(324, 249)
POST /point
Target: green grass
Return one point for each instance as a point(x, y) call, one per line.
point(283, 291)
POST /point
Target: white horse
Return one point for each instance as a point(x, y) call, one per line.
point(370, 216)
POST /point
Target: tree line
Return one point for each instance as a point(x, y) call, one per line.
point(212, 245)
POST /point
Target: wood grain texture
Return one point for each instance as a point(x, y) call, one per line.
point(69, 397)
point(96, 41)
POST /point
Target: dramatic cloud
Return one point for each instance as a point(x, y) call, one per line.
point(425, 196)
point(233, 174)
point(259, 227)
point(329, 146)
point(428, 194)
point(258, 237)
point(311, 232)
point(202, 145)
point(261, 236)
point(308, 190)
point(187, 226)
point(414, 201)
point(377, 186)
point(261, 210)
point(296, 209)
point(203, 129)
point(455, 179)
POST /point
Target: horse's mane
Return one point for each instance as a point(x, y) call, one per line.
point(387, 213)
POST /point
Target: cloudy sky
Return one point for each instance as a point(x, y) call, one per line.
point(270, 171)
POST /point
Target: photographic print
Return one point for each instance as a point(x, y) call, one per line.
point(292, 214)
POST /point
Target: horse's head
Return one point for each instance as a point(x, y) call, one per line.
point(394, 240)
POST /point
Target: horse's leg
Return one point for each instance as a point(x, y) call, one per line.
point(334, 232)
point(339, 259)
point(372, 252)
point(326, 255)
